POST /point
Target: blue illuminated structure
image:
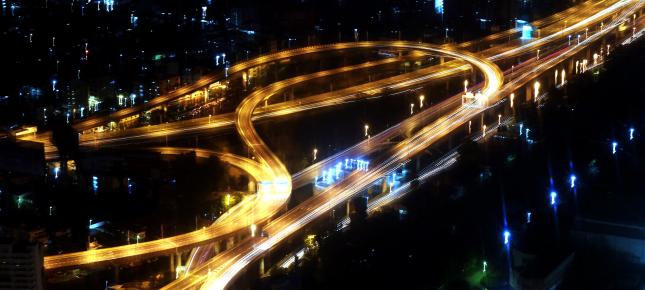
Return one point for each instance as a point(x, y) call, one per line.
point(438, 6)
point(339, 170)
point(95, 183)
point(527, 32)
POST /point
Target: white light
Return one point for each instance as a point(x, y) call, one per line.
point(507, 237)
point(528, 217)
point(631, 133)
point(554, 196)
point(613, 147)
point(573, 178)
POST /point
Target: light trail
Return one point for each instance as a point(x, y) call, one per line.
point(90, 257)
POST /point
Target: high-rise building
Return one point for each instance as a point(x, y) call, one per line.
point(21, 266)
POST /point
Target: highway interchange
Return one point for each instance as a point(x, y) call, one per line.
point(275, 182)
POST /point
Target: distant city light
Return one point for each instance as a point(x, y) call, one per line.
point(613, 147)
point(507, 237)
point(631, 133)
point(528, 217)
point(554, 196)
point(573, 178)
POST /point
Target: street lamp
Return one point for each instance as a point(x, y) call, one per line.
point(315, 154)
point(512, 99)
point(631, 133)
point(483, 130)
point(562, 76)
point(536, 90)
point(411, 108)
point(537, 56)
point(554, 196)
point(507, 237)
point(465, 86)
point(367, 127)
point(137, 239)
point(572, 180)
point(499, 119)
point(421, 98)
point(613, 147)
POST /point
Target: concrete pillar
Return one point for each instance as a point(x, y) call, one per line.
point(171, 257)
point(529, 93)
point(116, 274)
point(261, 266)
point(349, 207)
point(230, 242)
point(216, 248)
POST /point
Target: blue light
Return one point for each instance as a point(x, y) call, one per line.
point(56, 171)
point(528, 217)
point(438, 6)
point(527, 133)
point(554, 196)
point(573, 178)
point(613, 147)
point(95, 184)
point(631, 133)
point(521, 128)
point(507, 237)
point(130, 184)
point(527, 32)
